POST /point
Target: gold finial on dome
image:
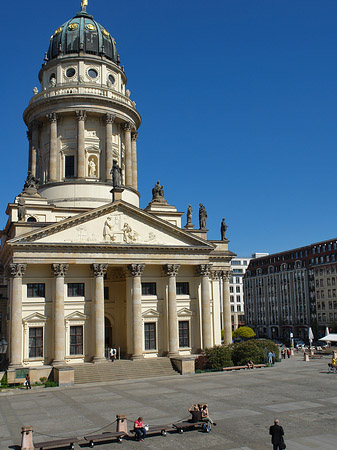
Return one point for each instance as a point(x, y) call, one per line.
point(84, 4)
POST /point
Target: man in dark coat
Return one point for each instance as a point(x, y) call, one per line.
point(276, 432)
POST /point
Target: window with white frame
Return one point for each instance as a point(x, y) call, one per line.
point(184, 333)
point(150, 336)
point(35, 342)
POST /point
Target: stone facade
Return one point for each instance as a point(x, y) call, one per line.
point(87, 269)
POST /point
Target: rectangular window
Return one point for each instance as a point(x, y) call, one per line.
point(106, 292)
point(184, 333)
point(231, 289)
point(238, 308)
point(232, 308)
point(69, 171)
point(237, 288)
point(76, 340)
point(238, 298)
point(35, 289)
point(183, 288)
point(36, 342)
point(75, 289)
point(232, 298)
point(150, 335)
point(149, 289)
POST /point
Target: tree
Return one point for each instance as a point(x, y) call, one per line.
point(244, 332)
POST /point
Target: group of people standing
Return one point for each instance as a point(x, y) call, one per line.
point(285, 352)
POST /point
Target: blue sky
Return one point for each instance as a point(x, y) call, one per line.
point(238, 100)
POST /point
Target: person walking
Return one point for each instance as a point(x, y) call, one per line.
point(27, 382)
point(270, 358)
point(277, 433)
point(113, 354)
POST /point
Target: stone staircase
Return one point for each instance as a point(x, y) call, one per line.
point(122, 370)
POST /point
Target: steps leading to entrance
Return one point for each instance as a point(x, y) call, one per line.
point(122, 370)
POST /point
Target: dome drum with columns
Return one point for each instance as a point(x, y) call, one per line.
point(86, 268)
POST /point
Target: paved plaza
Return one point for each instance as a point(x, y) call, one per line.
point(301, 394)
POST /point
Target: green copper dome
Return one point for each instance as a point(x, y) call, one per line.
point(82, 34)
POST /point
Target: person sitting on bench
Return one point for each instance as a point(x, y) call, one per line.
point(196, 414)
point(139, 429)
point(250, 364)
point(205, 414)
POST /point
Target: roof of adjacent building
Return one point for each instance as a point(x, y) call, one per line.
point(82, 34)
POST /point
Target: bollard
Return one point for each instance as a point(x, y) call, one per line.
point(122, 423)
point(306, 356)
point(27, 438)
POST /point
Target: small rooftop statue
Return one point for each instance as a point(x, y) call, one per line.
point(202, 217)
point(223, 230)
point(21, 209)
point(31, 186)
point(189, 215)
point(116, 172)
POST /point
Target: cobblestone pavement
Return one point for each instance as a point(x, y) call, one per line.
point(302, 395)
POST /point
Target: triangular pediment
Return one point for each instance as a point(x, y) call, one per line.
point(151, 313)
point(185, 312)
point(76, 315)
point(117, 223)
point(35, 317)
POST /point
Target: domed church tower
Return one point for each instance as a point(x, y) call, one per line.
point(83, 118)
point(86, 268)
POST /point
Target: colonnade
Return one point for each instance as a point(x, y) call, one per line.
point(135, 346)
point(130, 141)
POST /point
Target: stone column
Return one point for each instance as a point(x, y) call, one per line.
point(16, 272)
point(99, 271)
point(109, 119)
point(29, 137)
point(204, 272)
point(216, 296)
point(53, 147)
point(59, 271)
point(128, 154)
point(81, 116)
point(134, 137)
point(136, 271)
point(35, 146)
point(226, 308)
point(171, 271)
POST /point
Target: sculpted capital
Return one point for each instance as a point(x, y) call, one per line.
point(59, 270)
point(52, 117)
point(136, 270)
point(16, 270)
point(99, 270)
point(127, 126)
point(134, 136)
point(216, 274)
point(226, 274)
point(203, 270)
point(81, 114)
point(110, 118)
point(171, 270)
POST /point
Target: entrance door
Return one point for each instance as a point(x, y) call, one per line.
point(108, 333)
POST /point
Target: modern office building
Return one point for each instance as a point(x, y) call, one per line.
point(289, 292)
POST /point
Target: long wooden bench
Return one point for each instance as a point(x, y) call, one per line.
point(107, 436)
point(156, 429)
point(182, 426)
point(69, 443)
point(256, 366)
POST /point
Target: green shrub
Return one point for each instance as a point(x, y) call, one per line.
point(43, 380)
point(218, 357)
point(244, 333)
point(255, 350)
point(4, 381)
point(49, 383)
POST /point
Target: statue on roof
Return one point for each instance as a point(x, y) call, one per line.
point(84, 4)
point(116, 172)
point(31, 186)
point(157, 191)
point(189, 214)
point(223, 229)
point(202, 217)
